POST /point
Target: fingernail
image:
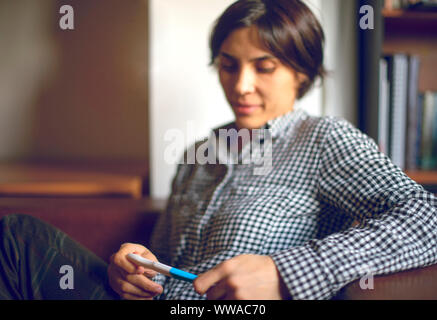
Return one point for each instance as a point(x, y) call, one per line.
point(140, 270)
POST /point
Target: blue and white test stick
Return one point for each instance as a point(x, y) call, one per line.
point(161, 268)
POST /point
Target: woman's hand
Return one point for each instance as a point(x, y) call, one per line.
point(245, 277)
point(130, 281)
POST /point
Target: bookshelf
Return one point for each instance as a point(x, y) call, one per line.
point(417, 17)
point(396, 31)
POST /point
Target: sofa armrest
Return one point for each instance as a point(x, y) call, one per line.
point(101, 225)
point(414, 284)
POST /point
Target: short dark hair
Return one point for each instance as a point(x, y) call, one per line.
point(287, 28)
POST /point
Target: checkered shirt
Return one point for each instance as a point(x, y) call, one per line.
point(332, 210)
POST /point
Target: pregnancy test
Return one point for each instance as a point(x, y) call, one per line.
point(161, 268)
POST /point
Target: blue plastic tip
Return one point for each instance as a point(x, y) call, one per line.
point(182, 275)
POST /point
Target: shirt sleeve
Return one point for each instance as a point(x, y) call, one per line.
point(397, 220)
point(160, 239)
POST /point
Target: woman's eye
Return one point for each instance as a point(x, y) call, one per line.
point(266, 70)
point(265, 67)
point(228, 68)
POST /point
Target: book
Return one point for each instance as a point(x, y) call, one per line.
point(418, 143)
point(412, 147)
point(426, 5)
point(434, 133)
point(398, 82)
point(383, 108)
point(427, 159)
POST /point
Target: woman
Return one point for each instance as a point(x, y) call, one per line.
point(286, 233)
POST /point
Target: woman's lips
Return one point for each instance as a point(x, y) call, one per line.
point(246, 109)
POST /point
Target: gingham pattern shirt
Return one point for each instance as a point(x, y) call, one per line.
point(332, 210)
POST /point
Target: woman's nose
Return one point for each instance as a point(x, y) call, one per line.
point(245, 82)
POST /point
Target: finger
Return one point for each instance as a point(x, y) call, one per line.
point(149, 273)
point(206, 280)
point(119, 260)
point(131, 289)
point(141, 282)
point(123, 283)
point(127, 288)
point(218, 291)
point(144, 284)
point(118, 280)
point(120, 257)
point(230, 296)
point(145, 253)
point(146, 271)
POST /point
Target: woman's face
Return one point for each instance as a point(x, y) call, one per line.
point(256, 84)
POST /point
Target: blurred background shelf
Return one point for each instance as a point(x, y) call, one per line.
point(404, 32)
point(62, 179)
point(423, 177)
point(417, 16)
point(100, 204)
point(406, 23)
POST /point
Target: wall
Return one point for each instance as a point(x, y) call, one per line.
point(340, 88)
point(94, 93)
point(186, 92)
point(79, 94)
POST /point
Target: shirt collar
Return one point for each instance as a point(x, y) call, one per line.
point(278, 128)
point(280, 125)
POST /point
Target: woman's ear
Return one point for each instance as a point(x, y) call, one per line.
point(301, 83)
point(301, 79)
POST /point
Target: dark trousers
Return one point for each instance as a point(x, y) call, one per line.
point(38, 261)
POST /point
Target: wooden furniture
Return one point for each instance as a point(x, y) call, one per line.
point(21, 180)
point(72, 179)
point(396, 31)
point(99, 224)
point(102, 223)
point(415, 284)
point(99, 204)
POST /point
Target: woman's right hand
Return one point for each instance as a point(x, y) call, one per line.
point(129, 280)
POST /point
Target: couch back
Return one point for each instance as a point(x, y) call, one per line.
point(101, 225)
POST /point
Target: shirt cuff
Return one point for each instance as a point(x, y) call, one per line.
point(303, 274)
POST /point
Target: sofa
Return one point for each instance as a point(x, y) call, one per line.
point(99, 224)
point(103, 224)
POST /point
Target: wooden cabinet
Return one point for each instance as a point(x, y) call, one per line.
point(69, 180)
point(100, 205)
point(396, 31)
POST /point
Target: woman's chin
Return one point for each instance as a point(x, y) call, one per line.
point(247, 123)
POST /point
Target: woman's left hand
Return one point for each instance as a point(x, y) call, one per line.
point(244, 277)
